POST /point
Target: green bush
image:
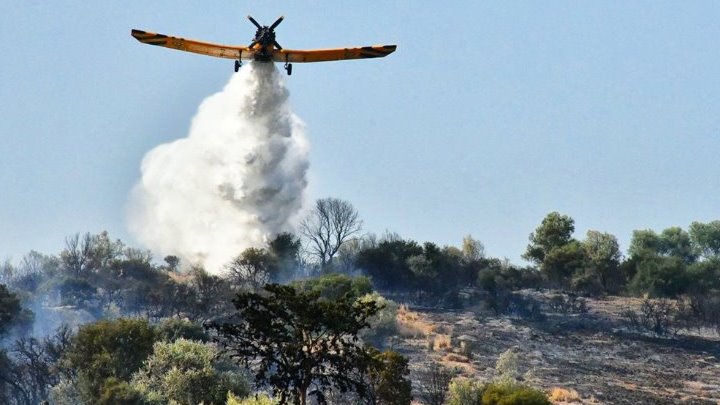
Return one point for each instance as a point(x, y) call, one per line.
point(106, 349)
point(119, 392)
point(186, 372)
point(513, 394)
point(661, 277)
point(384, 323)
point(256, 399)
point(173, 329)
point(464, 391)
point(334, 286)
point(388, 378)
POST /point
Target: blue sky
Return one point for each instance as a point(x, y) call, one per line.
point(488, 116)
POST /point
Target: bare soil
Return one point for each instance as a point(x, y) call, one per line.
point(592, 353)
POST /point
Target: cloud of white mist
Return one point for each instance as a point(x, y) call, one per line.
point(235, 181)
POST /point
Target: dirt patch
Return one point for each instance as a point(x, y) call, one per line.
point(589, 355)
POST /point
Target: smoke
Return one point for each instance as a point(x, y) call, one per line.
point(235, 181)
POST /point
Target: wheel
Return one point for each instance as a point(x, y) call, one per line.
point(288, 67)
point(237, 65)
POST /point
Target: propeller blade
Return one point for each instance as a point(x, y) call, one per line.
point(277, 45)
point(252, 20)
point(253, 43)
point(277, 22)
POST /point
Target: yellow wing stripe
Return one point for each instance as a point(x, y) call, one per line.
point(325, 55)
point(191, 45)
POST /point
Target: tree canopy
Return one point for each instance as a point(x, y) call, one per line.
point(299, 344)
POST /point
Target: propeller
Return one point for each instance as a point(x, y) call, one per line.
point(252, 20)
point(264, 32)
point(277, 22)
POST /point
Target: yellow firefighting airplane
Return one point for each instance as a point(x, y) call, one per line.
point(263, 48)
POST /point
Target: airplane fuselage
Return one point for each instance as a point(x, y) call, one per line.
point(264, 44)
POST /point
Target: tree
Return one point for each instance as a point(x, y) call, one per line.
point(187, 372)
point(676, 243)
point(672, 242)
point(472, 249)
point(388, 379)
point(387, 263)
point(285, 248)
point(604, 257)
point(9, 309)
point(328, 226)
point(555, 231)
point(252, 269)
point(706, 238)
point(553, 248)
point(294, 340)
point(212, 295)
point(661, 277)
point(106, 349)
point(173, 262)
point(562, 262)
point(76, 254)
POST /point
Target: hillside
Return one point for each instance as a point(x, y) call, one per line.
point(592, 353)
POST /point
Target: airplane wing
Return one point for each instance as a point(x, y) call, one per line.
point(324, 55)
point(190, 45)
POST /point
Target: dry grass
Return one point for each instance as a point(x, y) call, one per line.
point(563, 395)
point(442, 342)
point(456, 358)
point(411, 324)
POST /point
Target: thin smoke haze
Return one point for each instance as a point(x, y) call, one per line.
point(235, 181)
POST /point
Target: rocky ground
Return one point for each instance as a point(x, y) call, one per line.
point(587, 358)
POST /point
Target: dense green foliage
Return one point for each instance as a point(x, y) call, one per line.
point(187, 373)
point(513, 394)
point(389, 384)
point(107, 349)
point(9, 309)
point(293, 339)
point(464, 391)
point(334, 286)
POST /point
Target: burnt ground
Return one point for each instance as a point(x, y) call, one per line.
point(593, 353)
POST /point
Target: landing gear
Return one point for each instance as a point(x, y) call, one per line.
point(238, 62)
point(288, 67)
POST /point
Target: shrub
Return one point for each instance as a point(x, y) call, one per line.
point(568, 304)
point(173, 329)
point(655, 316)
point(507, 366)
point(563, 395)
point(185, 371)
point(119, 392)
point(388, 379)
point(513, 394)
point(334, 286)
point(464, 391)
point(384, 323)
point(441, 342)
point(433, 384)
point(256, 399)
point(106, 349)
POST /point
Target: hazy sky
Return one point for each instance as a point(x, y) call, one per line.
point(488, 116)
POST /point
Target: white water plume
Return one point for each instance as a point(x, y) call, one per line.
point(236, 180)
